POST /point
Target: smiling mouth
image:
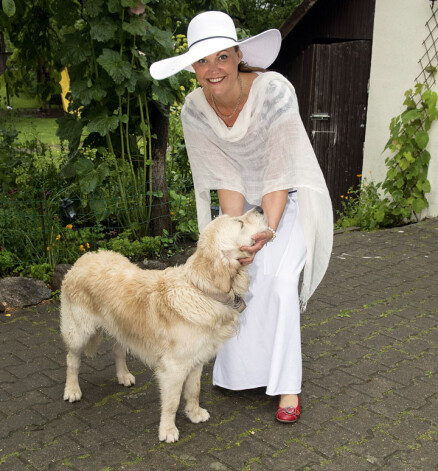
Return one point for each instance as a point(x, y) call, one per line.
point(216, 80)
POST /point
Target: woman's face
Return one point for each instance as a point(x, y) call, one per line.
point(217, 73)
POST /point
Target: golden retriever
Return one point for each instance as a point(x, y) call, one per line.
point(173, 320)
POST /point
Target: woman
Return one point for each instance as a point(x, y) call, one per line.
point(245, 139)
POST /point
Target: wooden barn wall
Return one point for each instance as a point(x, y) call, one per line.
point(328, 21)
point(327, 58)
point(338, 20)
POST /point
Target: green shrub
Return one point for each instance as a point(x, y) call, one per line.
point(361, 207)
point(42, 271)
point(7, 261)
point(136, 250)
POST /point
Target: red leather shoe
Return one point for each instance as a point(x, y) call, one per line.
point(288, 414)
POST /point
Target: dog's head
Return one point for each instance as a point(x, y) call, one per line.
point(220, 246)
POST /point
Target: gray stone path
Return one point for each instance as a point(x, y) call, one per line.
point(369, 399)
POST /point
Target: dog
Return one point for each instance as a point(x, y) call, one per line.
point(173, 320)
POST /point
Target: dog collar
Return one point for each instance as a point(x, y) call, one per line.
point(239, 303)
point(233, 300)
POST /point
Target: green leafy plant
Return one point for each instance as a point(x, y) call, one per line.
point(42, 271)
point(361, 207)
point(146, 247)
point(7, 261)
point(406, 181)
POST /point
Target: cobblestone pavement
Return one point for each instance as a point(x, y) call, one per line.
point(369, 399)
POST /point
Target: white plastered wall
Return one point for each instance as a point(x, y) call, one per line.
point(399, 32)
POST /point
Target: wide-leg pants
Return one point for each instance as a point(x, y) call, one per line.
point(266, 350)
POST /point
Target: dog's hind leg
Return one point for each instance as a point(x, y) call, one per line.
point(192, 389)
point(171, 381)
point(123, 375)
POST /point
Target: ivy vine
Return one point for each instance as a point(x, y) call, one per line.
point(406, 182)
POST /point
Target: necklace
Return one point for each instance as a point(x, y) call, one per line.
point(228, 116)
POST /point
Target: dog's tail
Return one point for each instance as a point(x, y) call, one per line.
point(93, 344)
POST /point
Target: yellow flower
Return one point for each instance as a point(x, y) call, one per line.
point(81, 248)
point(364, 184)
point(87, 245)
point(182, 88)
point(172, 213)
point(47, 248)
point(69, 226)
point(359, 175)
point(342, 196)
point(58, 236)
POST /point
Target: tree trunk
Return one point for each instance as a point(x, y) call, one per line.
point(160, 217)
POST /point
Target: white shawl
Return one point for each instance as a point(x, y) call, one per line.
point(267, 149)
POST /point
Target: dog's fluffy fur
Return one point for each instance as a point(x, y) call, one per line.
point(172, 320)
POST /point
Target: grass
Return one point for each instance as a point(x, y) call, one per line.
point(23, 117)
point(20, 102)
point(31, 127)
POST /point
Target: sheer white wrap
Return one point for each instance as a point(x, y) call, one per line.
point(266, 150)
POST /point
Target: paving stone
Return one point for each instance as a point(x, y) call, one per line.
point(14, 463)
point(297, 455)
point(404, 373)
point(328, 440)
point(375, 387)
point(337, 380)
point(108, 455)
point(423, 458)
point(20, 419)
point(376, 341)
point(318, 415)
point(417, 346)
point(409, 430)
point(362, 421)
point(57, 451)
point(429, 412)
point(389, 357)
point(418, 392)
point(353, 352)
point(248, 448)
point(346, 461)
point(197, 450)
point(376, 449)
point(348, 401)
point(391, 406)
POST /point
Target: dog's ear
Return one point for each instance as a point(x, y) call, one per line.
point(212, 266)
point(221, 273)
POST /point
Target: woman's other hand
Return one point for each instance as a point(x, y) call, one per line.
point(261, 238)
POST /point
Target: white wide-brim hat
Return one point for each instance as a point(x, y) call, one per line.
point(214, 31)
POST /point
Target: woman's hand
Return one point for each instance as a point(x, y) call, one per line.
point(261, 238)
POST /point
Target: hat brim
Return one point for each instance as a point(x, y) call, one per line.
point(258, 51)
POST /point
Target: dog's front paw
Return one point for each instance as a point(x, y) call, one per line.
point(127, 379)
point(197, 415)
point(72, 394)
point(168, 434)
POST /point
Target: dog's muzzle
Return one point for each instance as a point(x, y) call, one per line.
point(259, 209)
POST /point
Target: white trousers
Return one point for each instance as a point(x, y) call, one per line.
point(266, 350)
